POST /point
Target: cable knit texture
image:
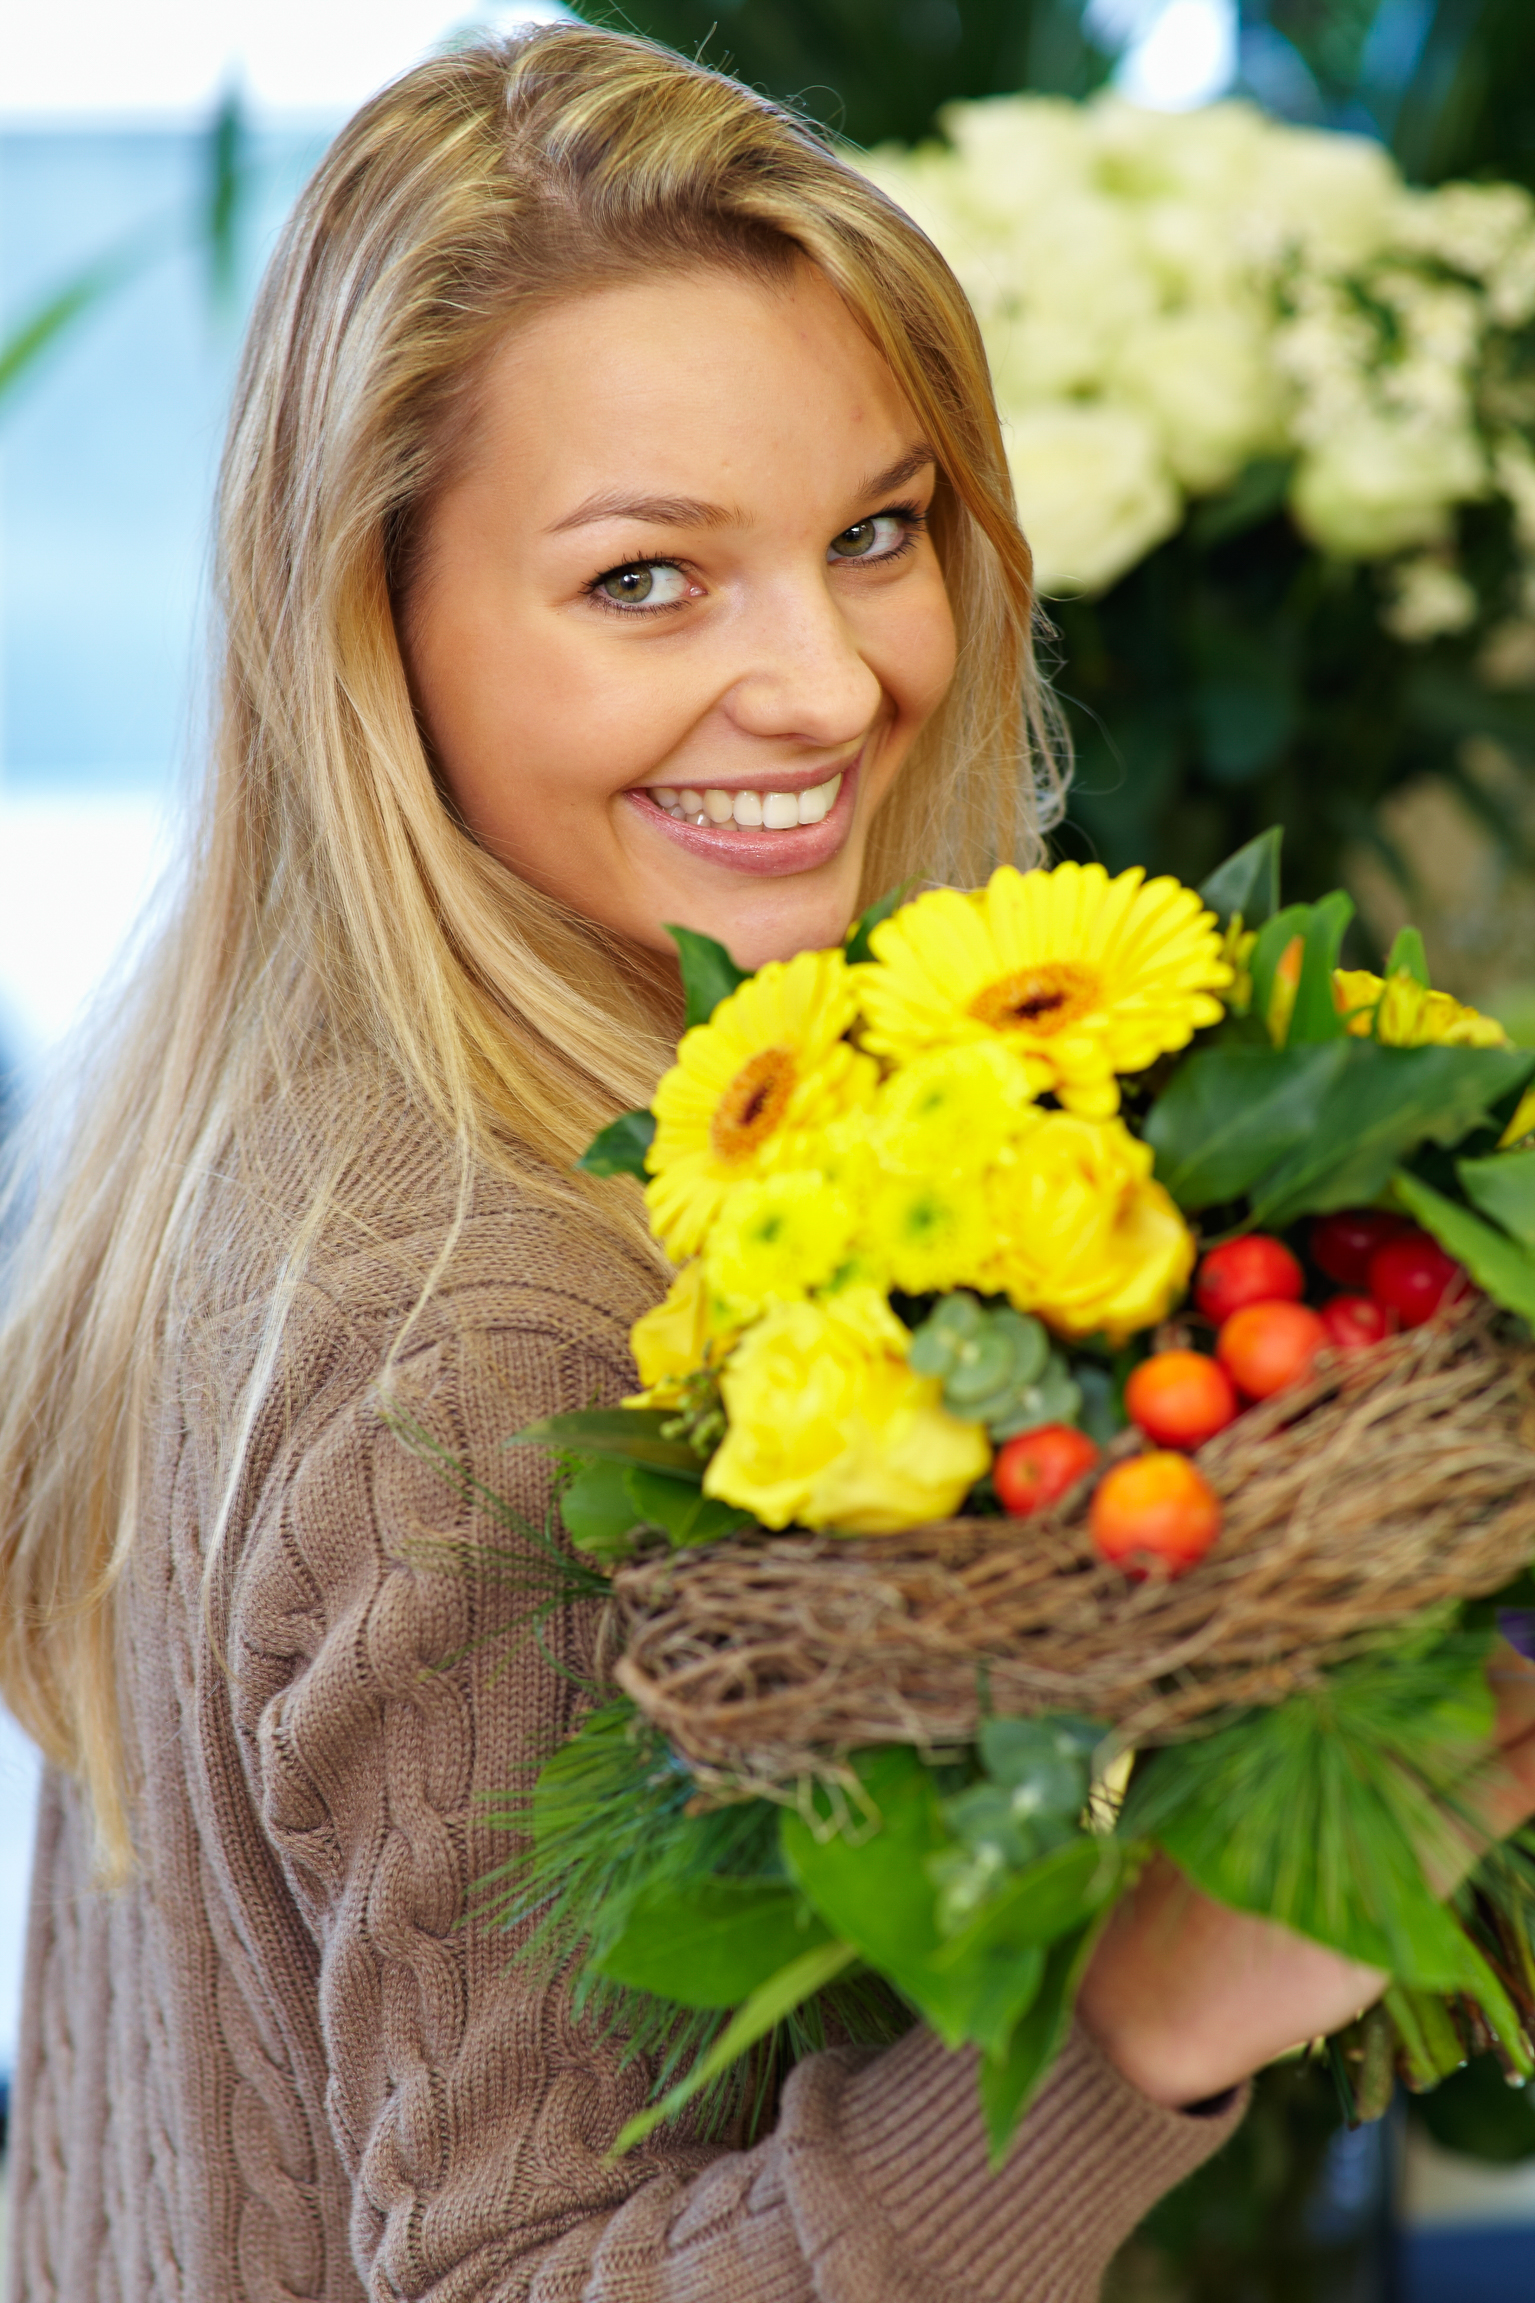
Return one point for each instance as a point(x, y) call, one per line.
point(279, 2064)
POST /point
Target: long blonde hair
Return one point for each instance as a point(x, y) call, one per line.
point(331, 903)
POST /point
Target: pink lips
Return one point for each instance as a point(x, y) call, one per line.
point(762, 855)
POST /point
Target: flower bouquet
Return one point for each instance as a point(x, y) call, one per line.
point(1095, 1413)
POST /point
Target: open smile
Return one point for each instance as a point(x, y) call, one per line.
point(791, 827)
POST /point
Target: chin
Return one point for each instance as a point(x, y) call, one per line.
point(756, 933)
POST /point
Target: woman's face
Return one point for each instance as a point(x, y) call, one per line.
point(678, 619)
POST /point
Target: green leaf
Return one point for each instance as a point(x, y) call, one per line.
point(1255, 495)
point(800, 1980)
point(1247, 884)
point(709, 974)
point(714, 1943)
point(1010, 2082)
point(1052, 1898)
point(1495, 1262)
point(1229, 1113)
point(1315, 1017)
point(863, 927)
point(1407, 953)
point(630, 1435)
point(1382, 1104)
point(1274, 940)
point(620, 1147)
point(598, 1509)
point(686, 1514)
point(1504, 1188)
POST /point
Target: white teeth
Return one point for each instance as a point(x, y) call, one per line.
point(771, 811)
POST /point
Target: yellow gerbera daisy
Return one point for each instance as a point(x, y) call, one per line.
point(1081, 975)
point(768, 1066)
point(1402, 1013)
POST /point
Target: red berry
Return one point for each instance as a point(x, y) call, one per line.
point(1253, 1269)
point(1035, 1469)
point(1354, 1322)
point(1265, 1347)
point(1412, 1276)
point(1342, 1244)
point(1155, 1513)
point(1181, 1398)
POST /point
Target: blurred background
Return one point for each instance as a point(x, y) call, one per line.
point(1270, 399)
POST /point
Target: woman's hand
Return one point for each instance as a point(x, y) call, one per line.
point(1187, 1997)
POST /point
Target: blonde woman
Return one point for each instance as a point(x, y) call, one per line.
point(615, 530)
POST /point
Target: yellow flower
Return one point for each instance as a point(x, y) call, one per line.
point(1522, 1124)
point(830, 1428)
point(949, 1112)
point(776, 1239)
point(683, 1332)
point(1402, 1013)
point(1084, 1236)
point(1080, 975)
point(927, 1232)
point(769, 1065)
point(1237, 947)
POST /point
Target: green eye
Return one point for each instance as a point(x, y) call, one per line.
point(857, 542)
point(629, 585)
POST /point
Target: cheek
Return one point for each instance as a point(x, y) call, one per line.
point(920, 651)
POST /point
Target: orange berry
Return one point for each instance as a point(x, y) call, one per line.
point(1155, 1514)
point(1035, 1469)
point(1266, 1347)
point(1256, 1268)
point(1181, 1398)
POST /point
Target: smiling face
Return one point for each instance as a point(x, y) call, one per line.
point(677, 620)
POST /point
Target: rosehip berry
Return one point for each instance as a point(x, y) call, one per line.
point(1155, 1514)
point(1253, 1269)
point(1181, 1398)
point(1355, 1322)
point(1342, 1244)
point(1412, 1276)
point(1265, 1347)
point(1036, 1469)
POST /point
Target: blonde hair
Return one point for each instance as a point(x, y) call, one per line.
point(332, 904)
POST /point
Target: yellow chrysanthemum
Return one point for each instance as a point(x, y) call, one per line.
point(949, 1112)
point(829, 1427)
point(1402, 1013)
point(774, 1240)
point(683, 1332)
point(1082, 976)
point(1084, 1236)
point(769, 1065)
point(928, 1231)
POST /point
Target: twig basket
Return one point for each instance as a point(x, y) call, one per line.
point(1396, 1481)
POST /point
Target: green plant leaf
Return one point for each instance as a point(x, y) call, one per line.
point(1274, 940)
point(863, 927)
point(1407, 952)
point(1010, 2082)
point(598, 1509)
point(1495, 1262)
point(1229, 1113)
point(686, 1514)
point(1247, 884)
point(1382, 1103)
point(709, 974)
point(800, 1980)
point(1315, 1017)
point(620, 1147)
point(1503, 1187)
point(1052, 1898)
point(630, 1435)
point(1255, 495)
point(713, 1944)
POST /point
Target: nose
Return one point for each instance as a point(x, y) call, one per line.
point(803, 677)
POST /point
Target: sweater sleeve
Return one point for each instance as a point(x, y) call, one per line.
point(381, 1694)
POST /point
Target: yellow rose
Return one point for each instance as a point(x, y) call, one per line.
point(830, 1428)
point(1085, 1238)
point(673, 1339)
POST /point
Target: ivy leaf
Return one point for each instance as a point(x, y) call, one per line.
point(863, 927)
point(1495, 1262)
point(1229, 1113)
point(620, 1147)
point(1247, 884)
point(713, 1943)
point(709, 974)
point(632, 1435)
point(1504, 1188)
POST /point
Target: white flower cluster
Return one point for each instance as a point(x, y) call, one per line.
point(1168, 297)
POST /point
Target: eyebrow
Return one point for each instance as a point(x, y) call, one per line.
point(691, 512)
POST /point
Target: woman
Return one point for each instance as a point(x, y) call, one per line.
point(615, 531)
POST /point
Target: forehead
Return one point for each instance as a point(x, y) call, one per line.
point(708, 384)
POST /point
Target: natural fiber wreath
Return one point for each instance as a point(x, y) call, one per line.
point(1397, 1480)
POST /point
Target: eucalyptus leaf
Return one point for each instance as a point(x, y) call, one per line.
point(709, 974)
point(630, 1435)
point(1503, 1187)
point(713, 1943)
point(620, 1147)
point(1315, 1015)
point(1229, 1113)
point(858, 934)
point(1246, 885)
point(1497, 1263)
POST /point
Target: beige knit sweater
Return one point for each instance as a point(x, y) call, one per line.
point(278, 2065)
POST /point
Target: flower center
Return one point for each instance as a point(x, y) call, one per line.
point(753, 1104)
point(1040, 1000)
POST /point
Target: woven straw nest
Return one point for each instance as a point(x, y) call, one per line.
point(1397, 1480)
